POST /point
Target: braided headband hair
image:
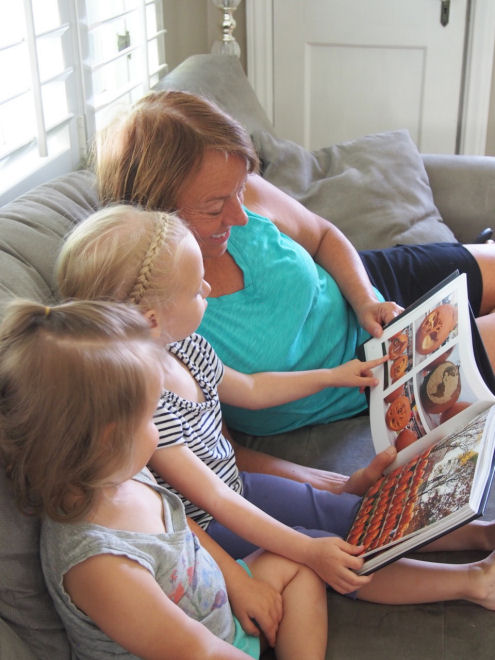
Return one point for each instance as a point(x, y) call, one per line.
point(143, 278)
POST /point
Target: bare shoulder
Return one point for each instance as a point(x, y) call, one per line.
point(132, 506)
point(290, 216)
point(264, 198)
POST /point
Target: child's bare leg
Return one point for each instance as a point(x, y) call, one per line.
point(410, 581)
point(477, 535)
point(303, 630)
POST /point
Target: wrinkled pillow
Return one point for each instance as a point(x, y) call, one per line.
point(374, 189)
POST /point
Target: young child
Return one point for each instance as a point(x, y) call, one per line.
point(151, 259)
point(79, 384)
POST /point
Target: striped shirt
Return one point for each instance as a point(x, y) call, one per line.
point(198, 424)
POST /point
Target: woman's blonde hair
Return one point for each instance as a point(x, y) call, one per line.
point(74, 384)
point(147, 157)
point(122, 253)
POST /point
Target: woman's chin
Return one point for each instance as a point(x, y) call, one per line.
point(214, 250)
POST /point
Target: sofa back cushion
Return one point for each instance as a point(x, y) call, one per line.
point(32, 229)
point(221, 79)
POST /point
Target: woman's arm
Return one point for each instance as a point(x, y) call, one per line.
point(251, 460)
point(126, 602)
point(327, 245)
point(358, 482)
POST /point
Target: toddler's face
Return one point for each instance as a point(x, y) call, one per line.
point(146, 434)
point(182, 315)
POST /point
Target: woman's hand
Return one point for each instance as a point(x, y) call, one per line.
point(336, 561)
point(374, 315)
point(257, 605)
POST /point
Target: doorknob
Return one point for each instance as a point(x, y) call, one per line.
point(445, 12)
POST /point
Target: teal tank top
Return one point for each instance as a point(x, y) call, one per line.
point(290, 315)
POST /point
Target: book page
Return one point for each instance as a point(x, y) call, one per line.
point(430, 385)
point(417, 499)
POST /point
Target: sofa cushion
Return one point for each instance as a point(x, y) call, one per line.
point(24, 600)
point(31, 232)
point(32, 228)
point(221, 79)
point(375, 189)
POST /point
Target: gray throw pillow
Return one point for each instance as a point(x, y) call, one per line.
point(374, 189)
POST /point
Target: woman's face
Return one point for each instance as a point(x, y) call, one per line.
point(211, 201)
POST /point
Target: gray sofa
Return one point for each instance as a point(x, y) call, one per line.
point(380, 191)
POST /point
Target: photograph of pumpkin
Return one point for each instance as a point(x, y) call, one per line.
point(400, 355)
point(435, 328)
point(425, 490)
point(442, 391)
point(401, 416)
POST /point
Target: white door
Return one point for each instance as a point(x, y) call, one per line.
point(346, 68)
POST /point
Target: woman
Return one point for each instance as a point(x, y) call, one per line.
point(288, 289)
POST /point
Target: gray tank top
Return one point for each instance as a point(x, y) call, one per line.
point(185, 571)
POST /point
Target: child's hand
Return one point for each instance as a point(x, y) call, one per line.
point(336, 561)
point(356, 373)
point(257, 601)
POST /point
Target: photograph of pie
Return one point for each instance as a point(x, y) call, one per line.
point(435, 328)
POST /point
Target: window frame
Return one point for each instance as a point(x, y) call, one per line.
point(23, 168)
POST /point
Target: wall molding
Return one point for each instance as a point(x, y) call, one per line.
point(477, 79)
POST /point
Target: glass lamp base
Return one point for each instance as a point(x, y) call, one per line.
point(226, 48)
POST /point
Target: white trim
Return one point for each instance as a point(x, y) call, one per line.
point(481, 39)
point(259, 44)
point(478, 79)
point(35, 80)
point(61, 146)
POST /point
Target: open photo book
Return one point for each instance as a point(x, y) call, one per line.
point(434, 406)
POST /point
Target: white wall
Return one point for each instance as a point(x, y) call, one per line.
point(192, 27)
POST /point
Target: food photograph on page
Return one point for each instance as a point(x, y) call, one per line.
point(424, 491)
point(443, 391)
point(437, 385)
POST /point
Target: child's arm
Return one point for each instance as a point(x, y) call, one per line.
point(273, 388)
point(251, 599)
point(190, 476)
point(124, 600)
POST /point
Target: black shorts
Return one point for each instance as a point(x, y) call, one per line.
point(405, 272)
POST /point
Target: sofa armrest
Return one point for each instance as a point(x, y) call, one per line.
point(464, 192)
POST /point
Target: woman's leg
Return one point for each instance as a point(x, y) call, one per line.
point(406, 272)
point(485, 258)
point(486, 327)
point(303, 630)
point(409, 581)
point(477, 535)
